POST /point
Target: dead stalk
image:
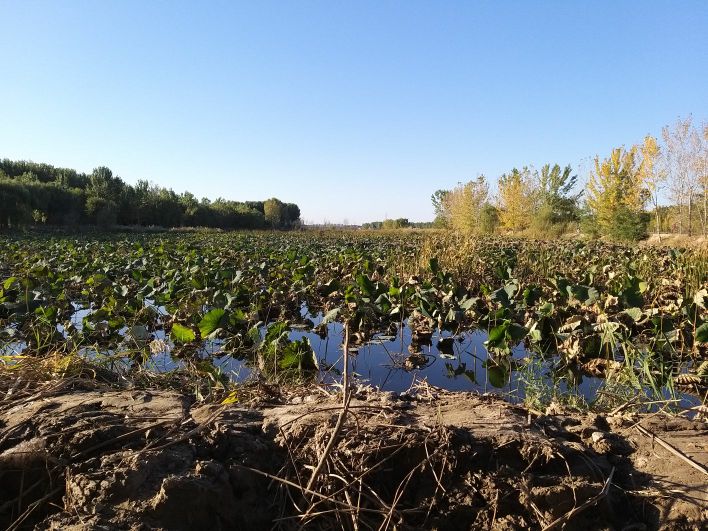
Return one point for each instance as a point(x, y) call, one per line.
point(342, 414)
point(590, 503)
point(671, 449)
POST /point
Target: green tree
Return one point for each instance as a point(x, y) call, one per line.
point(555, 189)
point(399, 223)
point(291, 215)
point(438, 200)
point(190, 207)
point(103, 196)
point(554, 202)
point(15, 204)
point(488, 219)
point(63, 196)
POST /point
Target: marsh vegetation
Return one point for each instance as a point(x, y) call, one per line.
point(531, 318)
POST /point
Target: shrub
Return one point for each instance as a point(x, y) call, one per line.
point(629, 225)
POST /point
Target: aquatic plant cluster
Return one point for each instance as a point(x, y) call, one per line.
point(636, 315)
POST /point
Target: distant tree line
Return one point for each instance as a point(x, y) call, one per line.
point(32, 193)
point(399, 223)
point(621, 200)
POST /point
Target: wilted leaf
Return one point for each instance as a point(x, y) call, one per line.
point(635, 313)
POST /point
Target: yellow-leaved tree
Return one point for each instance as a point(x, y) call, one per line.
point(464, 205)
point(616, 195)
point(651, 175)
point(516, 201)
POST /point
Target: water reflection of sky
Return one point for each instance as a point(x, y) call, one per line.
point(379, 362)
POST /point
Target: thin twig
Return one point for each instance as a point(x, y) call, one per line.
point(342, 415)
point(590, 503)
point(310, 492)
point(623, 406)
point(18, 522)
point(188, 434)
point(678, 453)
point(496, 505)
point(125, 436)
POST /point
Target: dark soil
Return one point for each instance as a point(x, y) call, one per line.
point(76, 456)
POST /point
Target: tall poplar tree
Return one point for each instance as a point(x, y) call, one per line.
point(681, 154)
point(516, 203)
point(652, 176)
point(463, 207)
point(616, 195)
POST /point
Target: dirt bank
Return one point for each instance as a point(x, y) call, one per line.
point(77, 456)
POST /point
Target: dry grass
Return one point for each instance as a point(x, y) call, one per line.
point(677, 240)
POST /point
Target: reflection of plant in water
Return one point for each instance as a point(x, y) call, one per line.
point(540, 385)
point(645, 377)
point(461, 369)
point(279, 357)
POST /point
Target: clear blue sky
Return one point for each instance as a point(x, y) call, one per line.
point(354, 110)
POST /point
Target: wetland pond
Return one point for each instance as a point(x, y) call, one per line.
point(390, 362)
point(583, 323)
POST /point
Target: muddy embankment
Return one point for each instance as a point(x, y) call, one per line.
point(74, 455)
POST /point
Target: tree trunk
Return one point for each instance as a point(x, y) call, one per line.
point(705, 212)
point(679, 204)
point(690, 205)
